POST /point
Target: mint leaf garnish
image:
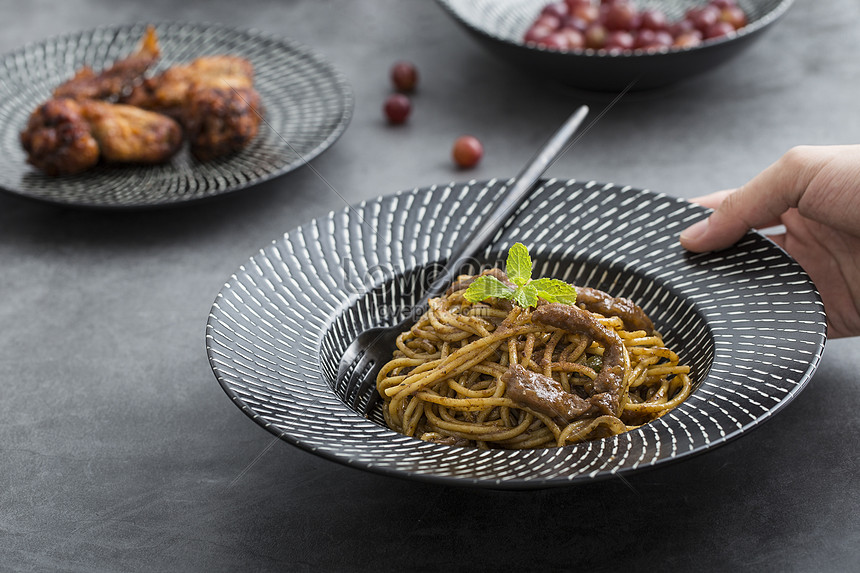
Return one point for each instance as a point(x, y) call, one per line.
point(486, 286)
point(527, 291)
point(554, 290)
point(519, 264)
point(526, 296)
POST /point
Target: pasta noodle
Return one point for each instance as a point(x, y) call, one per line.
point(495, 375)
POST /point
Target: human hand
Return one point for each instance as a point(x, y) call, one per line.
point(814, 191)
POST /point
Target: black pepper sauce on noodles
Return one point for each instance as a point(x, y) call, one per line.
point(493, 374)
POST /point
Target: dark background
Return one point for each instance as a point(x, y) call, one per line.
point(120, 452)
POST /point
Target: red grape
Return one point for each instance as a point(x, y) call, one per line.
point(621, 16)
point(467, 151)
point(619, 40)
point(595, 36)
point(663, 39)
point(653, 20)
point(549, 21)
point(576, 23)
point(404, 75)
point(574, 4)
point(556, 41)
point(719, 29)
point(538, 33)
point(703, 17)
point(688, 39)
point(735, 16)
point(557, 9)
point(653, 40)
point(397, 108)
point(575, 38)
point(644, 38)
point(681, 27)
point(587, 12)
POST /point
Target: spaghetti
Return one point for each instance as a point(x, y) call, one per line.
point(492, 374)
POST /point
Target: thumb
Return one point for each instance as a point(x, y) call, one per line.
point(757, 204)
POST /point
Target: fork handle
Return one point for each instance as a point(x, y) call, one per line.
point(505, 206)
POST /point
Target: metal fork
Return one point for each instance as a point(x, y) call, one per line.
point(374, 347)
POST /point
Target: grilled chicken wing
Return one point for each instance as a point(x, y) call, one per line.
point(127, 134)
point(64, 136)
point(58, 140)
point(167, 92)
point(115, 81)
point(214, 99)
point(220, 121)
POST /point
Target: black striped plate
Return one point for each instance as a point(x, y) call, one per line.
point(307, 106)
point(748, 320)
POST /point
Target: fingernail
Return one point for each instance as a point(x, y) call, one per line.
point(694, 231)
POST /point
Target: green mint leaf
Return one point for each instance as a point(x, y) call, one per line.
point(519, 264)
point(526, 296)
point(486, 286)
point(554, 290)
point(527, 291)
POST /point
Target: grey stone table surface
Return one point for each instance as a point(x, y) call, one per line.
point(120, 452)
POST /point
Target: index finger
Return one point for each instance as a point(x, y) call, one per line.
point(756, 204)
point(712, 200)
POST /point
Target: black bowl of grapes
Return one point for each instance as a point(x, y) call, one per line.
point(614, 45)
